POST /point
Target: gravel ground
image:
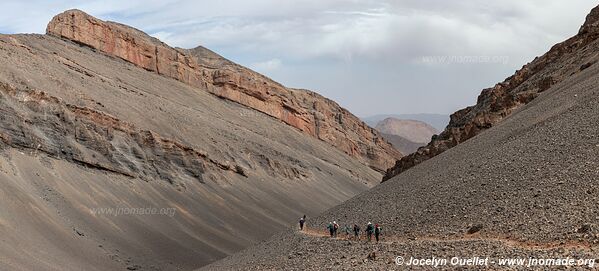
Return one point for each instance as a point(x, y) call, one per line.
point(323, 253)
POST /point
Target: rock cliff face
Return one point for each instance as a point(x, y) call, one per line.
point(307, 111)
point(495, 104)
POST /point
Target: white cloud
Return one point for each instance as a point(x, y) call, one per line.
point(163, 36)
point(267, 66)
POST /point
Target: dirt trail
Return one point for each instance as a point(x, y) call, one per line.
point(505, 241)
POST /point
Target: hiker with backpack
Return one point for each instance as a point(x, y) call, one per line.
point(377, 232)
point(357, 231)
point(369, 231)
point(301, 222)
point(331, 228)
point(335, 228)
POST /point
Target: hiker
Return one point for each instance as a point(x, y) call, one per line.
point(331, 228)
point(335, 228)
point(301, 222)
point(377, 232)
point(369, 230)
point(347, 231)
point(357, 232)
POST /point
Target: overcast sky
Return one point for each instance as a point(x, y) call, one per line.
point(373, 57)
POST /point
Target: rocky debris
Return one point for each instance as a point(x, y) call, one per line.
point(201, 68)
point(371, 256)
point(495, 104)
point(474, 229)
point(326, 253)
point(586, 228)
point(78, 232)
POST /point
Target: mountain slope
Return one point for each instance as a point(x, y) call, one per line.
point(82, 131)
point(307, 111)
point(526, 187)
point(402, 144)
point(494, 104)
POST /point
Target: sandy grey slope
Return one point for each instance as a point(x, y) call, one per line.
point(80, 130)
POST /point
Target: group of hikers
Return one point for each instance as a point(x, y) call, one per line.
point(333, 229)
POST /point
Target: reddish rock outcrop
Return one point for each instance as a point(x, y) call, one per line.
point(494, 104)
point(199, 67)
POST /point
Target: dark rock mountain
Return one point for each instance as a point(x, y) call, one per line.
point(563, 60)
point(526, 187)
point(99, 121)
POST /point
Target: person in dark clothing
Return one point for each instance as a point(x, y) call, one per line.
point(369, 231)
point(377, 232)
point(331, 228)
point(335, 228)
point(357, 232)
point(301, 222)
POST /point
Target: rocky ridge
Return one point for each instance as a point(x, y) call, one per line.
point(305, 110)
point(497, 103)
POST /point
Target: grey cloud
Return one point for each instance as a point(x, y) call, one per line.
point(367, 55)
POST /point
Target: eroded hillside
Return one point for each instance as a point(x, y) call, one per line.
point(307, 111)
point(81, 130)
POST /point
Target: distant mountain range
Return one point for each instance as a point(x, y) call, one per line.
point(406, 135)
point(439, 121)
